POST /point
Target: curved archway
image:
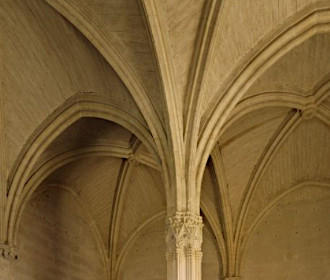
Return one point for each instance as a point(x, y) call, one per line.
point(126, 74)
point(301, 104)
point(281, 100)
point(69, 113)
point(116, 60)
point(56, 163)
point(311, 21)
point(278, 99)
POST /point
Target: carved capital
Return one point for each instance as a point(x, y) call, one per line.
point(8, 252)
point(184, 233)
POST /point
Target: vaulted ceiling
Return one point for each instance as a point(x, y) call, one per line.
point(104, 102)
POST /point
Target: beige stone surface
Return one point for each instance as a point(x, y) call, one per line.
point(241, 31)
point(45, 65)
point(299, 72)
point(149, 139)
point(51, 239)
point(296, 228)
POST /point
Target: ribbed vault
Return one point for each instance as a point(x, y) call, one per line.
point(117, 115)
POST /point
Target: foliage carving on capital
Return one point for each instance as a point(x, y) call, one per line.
point(8, 252)
point(184, 232)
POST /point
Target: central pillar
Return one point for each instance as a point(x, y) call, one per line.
point(184, 246)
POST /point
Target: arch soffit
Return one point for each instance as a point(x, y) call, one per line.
point(122, 68)
point(61, 160)
point(313, 20)
point(66, 115)
point(304, 104)
point(31, 189)
point(308, 106)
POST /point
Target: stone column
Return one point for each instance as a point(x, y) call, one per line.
point(232, 278)
point(7, 255)
point(184, 241)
